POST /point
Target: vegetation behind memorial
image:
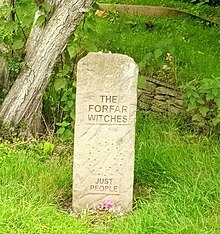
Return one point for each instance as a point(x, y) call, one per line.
point(195, 66)
point(192, 44)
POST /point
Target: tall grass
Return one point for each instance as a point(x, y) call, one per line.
point(177, 186)
point(193, 44)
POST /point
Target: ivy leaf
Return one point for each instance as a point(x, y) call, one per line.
point(200, 101)
point(215, 92)
point(41, 20)
point(73, 96)
point(64, 97)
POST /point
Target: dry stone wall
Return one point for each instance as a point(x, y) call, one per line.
point(161, 97)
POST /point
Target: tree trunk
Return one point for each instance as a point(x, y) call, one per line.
point(45, 43)
point(4, 74)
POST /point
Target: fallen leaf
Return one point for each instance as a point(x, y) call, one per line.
point(100, 13)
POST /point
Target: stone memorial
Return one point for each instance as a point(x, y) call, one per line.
point(106, 101)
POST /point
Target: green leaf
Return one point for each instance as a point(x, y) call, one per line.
point(203, 110)
point(216, 121)
point(192, 101)
point(60, 131)
point(63, 124)
point(157, 53)
point(217, 101)
point(59, 84)
point(90, 46)
point(48, 147)
point(72, 114)
point(41, 20)
point(148, 56)
point(215, 92)
point(209, 96)
point(200, 101)
point(64, 98)
point(17, 43)
point(68, 134)
point(46, 6)
point(191, 106)
point(27, 21)
point(142, 65)
point(66, 69)
point(95, 6)
point(73, 96)
point(92, 33)
point(141, 82)
point(70, 103)
point(73, 50)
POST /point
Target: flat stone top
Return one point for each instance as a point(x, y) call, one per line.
point(110, 70)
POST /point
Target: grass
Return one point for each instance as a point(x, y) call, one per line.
point(194, 45)
point(177, 186)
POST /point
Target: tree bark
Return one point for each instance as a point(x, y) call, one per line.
point(4, 73)
point(45, 43)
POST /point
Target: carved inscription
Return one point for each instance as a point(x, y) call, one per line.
point(103, 185)
point(104, 133)
point(109, 111)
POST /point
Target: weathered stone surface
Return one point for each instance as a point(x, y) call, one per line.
point(161, 97)
point(4, 82)
point(166, 91)
point(104, 131)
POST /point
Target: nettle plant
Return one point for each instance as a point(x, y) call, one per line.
point(15, 24)
point(203, 98)
point(160, 62)
point(59, 99)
